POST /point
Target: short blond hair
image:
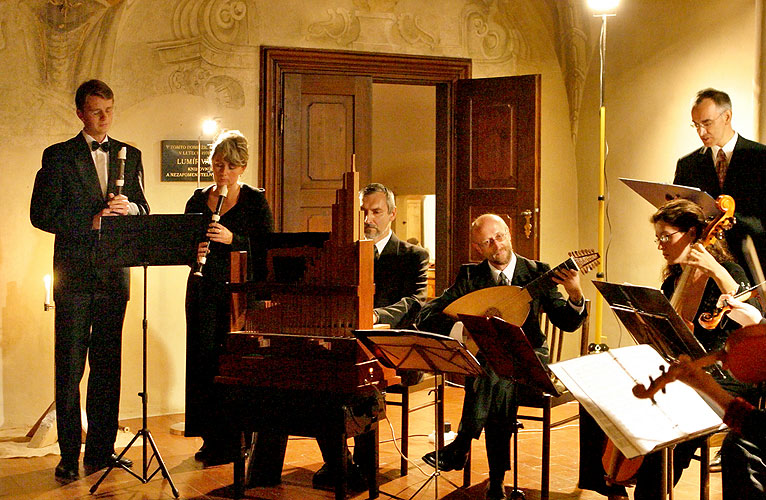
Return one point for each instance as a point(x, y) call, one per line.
point(232, 146)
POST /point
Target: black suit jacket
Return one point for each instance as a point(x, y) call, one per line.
point(400, 282)
point(744, 182)
point(66, 196)
point(477, 276)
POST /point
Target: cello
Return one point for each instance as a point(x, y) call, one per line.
point(685, 301)
point(686, 298)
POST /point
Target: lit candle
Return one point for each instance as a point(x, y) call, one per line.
point(47, 282)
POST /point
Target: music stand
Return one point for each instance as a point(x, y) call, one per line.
point(659, 193)
point(421, 351)
point(148, 240)
point(650, 319)
point(511, 356)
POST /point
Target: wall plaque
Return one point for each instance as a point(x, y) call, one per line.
point(179, 161)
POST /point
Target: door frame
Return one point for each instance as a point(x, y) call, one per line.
point(440, 72)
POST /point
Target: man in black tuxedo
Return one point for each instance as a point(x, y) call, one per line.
point(73, 190)
point(490, 401)
point(727, 163)
point(400, 290)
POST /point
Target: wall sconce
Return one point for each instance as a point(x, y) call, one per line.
point(208, 129)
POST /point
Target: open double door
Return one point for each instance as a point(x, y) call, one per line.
point(316, 112)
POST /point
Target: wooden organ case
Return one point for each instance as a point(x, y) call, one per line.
point(292, 365)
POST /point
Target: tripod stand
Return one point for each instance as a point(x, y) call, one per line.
point(422, 351)
point(143, 241)
point(144, 432)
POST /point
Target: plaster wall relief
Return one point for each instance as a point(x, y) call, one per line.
point(573, 48)
point(489, 32)
point(375, 25)
point(51, 46)
point(73, 40)
point(213, 49)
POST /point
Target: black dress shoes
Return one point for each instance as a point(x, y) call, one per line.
point(450, 458)
point(495, 493)
point(324, 478)
point(111, 460)
point(67, 471)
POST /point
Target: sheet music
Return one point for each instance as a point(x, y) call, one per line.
point(603, 382)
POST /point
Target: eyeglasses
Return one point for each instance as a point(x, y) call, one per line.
point(664, 238)
point(706, 123)
point(496, 239)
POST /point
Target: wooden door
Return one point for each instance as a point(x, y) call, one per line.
point(497, 122)
point(327, 118)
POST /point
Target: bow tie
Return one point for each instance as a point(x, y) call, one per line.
point(104, 146)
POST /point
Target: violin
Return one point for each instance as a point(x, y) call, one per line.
point(737, 356)
point(713, 231)
point(711, 320)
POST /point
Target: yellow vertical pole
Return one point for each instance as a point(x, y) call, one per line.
point(601, 219)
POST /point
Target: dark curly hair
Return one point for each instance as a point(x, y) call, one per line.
point(687, 215)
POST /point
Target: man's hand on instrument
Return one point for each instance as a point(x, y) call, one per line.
point(118, 204)
point(219, 233)
point(570, 280)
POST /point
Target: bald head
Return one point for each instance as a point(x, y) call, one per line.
point(491, 238)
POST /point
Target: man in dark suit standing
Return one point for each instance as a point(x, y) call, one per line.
point(490, 401)
point(73, 190)
point(727, 163)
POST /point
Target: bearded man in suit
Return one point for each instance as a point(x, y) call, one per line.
point(490, 401)
point(73, 190)
point(727, 163)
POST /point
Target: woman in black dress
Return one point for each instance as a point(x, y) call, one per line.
point(244, 223)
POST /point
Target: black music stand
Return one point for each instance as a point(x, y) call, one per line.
point(511, 356)
point(147, 240)
point(650, 319)
point(421, 351)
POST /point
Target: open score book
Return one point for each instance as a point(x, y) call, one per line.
point(603, 384)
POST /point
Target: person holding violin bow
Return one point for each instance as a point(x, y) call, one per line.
point(743, 463)
point(699, 268)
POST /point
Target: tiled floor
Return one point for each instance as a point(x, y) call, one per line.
point(32, 478)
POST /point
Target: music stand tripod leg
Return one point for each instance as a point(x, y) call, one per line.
point(516, 492)
point(144, 431)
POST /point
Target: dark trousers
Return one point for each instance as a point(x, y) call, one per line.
point(88, 327)
point(490, 404)
point(743, 469)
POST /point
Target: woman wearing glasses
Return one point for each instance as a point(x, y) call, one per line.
point(678, 227)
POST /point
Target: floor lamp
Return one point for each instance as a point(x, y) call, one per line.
point(602, 9)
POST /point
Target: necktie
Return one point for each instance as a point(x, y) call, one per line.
point(503, 280)
point(375, 251)
point(104, 146)
point(720, 166)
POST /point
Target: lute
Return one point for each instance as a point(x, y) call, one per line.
point(512, 303)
